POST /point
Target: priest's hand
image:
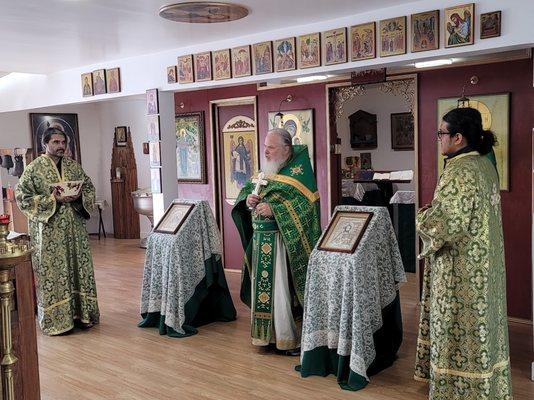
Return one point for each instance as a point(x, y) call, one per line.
point(253, 200)
point(264, 209)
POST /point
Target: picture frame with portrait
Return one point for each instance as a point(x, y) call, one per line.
point(345, 231)
point(190, 147)
point(152, 102)
point(262, 58)
point(392, 36)
point(113, 80)
point(363, 41)
point(153, 128)
point(241, 63)
point(490, 24)
point(335, 46)
point(68, 123)
point(459, 22)
point(202, 65)
point(121, 136)
point(154, 154)
point(425, 31)
point(222, 64)
point(185, 69)
point(285, 54)
point(99, 81)
point(171, 74)
point(309, 50)
point(87, 84)
point(402, 131)
point(155, 180)
point(174, 218)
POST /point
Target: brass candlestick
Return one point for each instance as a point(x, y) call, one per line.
point(11, 254)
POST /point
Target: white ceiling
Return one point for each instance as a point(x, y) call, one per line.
point(42, 36)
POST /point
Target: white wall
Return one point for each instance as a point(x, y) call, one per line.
point(96, 123)
point(383, 158)
point(130, 111)
point(22, 91)
point(15, 132)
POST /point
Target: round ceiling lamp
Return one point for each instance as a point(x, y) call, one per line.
point(203, 12)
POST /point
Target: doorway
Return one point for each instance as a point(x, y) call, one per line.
point(235, 138)
point(367, 125)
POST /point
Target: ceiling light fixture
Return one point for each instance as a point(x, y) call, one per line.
point(203, 12)
point(312, 78)
point(433, 63)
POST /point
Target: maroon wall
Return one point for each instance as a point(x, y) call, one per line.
point(514, 77)
point(306, 96)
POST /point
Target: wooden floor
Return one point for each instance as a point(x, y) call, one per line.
point(117, 360)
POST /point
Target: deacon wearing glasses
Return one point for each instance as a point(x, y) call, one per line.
point(462, 349)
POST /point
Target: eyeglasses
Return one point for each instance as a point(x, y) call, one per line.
point(441, 133)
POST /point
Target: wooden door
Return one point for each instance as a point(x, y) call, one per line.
point(237, 159)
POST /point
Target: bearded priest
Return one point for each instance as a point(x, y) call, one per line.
point(279, 227)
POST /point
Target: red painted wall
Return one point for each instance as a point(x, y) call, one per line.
point(514, 77)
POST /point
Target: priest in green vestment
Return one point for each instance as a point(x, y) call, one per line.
point(62, 261)
point(462, 349)
point(277, 216)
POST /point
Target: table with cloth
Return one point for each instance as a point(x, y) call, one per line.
point(403, 216)
point(352, 324)
point(184, 285)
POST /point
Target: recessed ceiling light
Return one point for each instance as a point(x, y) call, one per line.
point(203, 12)
point(433, 63)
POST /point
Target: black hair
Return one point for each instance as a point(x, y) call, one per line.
point(468, 122)
point(52, 131)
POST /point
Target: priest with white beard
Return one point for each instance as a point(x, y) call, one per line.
point(279, 226)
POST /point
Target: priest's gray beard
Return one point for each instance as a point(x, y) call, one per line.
point(271, 167)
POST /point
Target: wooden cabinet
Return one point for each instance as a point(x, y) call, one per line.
point(123, 183)
point(24, 335)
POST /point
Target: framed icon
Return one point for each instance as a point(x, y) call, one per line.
point(152, 104)
point(99, 81)
point(459, 25)
point(345, 230)
point(490, 25)
point(425, 31)
point(174, 218)
point(87, 84)
point(113, 80)
point(121, 136)
point(392, 36)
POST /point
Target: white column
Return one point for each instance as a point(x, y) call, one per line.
point(169, 185)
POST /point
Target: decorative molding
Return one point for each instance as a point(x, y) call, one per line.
point(368, 76)
point(404, 88)
point(345, 94)
point(241, 124)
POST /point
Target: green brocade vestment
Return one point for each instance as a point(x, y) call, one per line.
point(62, 261)
point(462, 349)
point(294, 200)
